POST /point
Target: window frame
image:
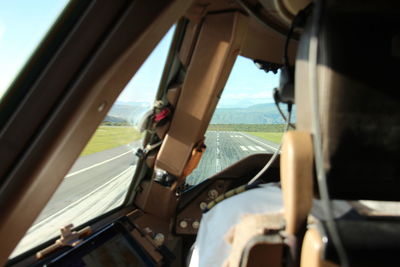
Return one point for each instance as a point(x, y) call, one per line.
point(83, 99)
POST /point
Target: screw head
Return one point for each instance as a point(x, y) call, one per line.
point(203, 205)
point(159, 239)
point(196, 225)
point(213, 194)
point(183, 224)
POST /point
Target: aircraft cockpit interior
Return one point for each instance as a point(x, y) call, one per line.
point(200, 133)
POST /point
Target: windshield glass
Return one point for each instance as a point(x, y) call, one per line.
point(99, 179)
point(246, 121)
point(23, 25)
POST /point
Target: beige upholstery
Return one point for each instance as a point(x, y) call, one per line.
point(296, 178)
point(245, 231)
point(311, 253)
point(251, 246)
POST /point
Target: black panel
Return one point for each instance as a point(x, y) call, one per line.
point(359, 44)
point(368, 242)
point(113, 246)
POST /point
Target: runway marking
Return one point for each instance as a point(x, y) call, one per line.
point(243, 148)
point(97, 164)
point(217, 165)
point(252, 148)
point(79, 200)
point(255, 140)
point(260, 148)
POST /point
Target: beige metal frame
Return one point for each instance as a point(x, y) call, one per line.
point(41, 168)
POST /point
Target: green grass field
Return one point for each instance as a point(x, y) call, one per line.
point(269, 128)
point(274, 137)
point(107, 137)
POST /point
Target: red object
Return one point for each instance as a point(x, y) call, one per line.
point(162, 115)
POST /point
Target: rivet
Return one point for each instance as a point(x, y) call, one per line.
point(196, 224)
point(203, 205)
point(183, 224)
point(213, 194)
point(159, 239)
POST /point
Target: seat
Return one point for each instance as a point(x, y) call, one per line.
point(359, 118)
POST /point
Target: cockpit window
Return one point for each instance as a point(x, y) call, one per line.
point(23, 25)
point(245, 121)
point(99, 179)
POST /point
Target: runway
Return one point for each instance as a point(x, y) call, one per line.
point(95, 184)
point(226, 148)
point(98, 182)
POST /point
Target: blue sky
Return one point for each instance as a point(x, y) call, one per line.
point(246, 85)
point(23, 24)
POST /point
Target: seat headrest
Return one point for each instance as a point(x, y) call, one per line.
point(359, 102)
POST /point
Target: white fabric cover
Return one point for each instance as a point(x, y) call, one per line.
point(211, 248)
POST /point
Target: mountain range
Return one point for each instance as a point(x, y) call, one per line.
point(267, 113)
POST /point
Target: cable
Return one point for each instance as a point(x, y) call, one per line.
point(285, 92)
point(287, 41)
point(276, 100)
point(299, 20)
point(317, 140)
point(275, 155)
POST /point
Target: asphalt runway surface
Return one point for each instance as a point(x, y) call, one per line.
point(88, 173)
point(226, 148)
point(95, 184)
point(98, 182)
